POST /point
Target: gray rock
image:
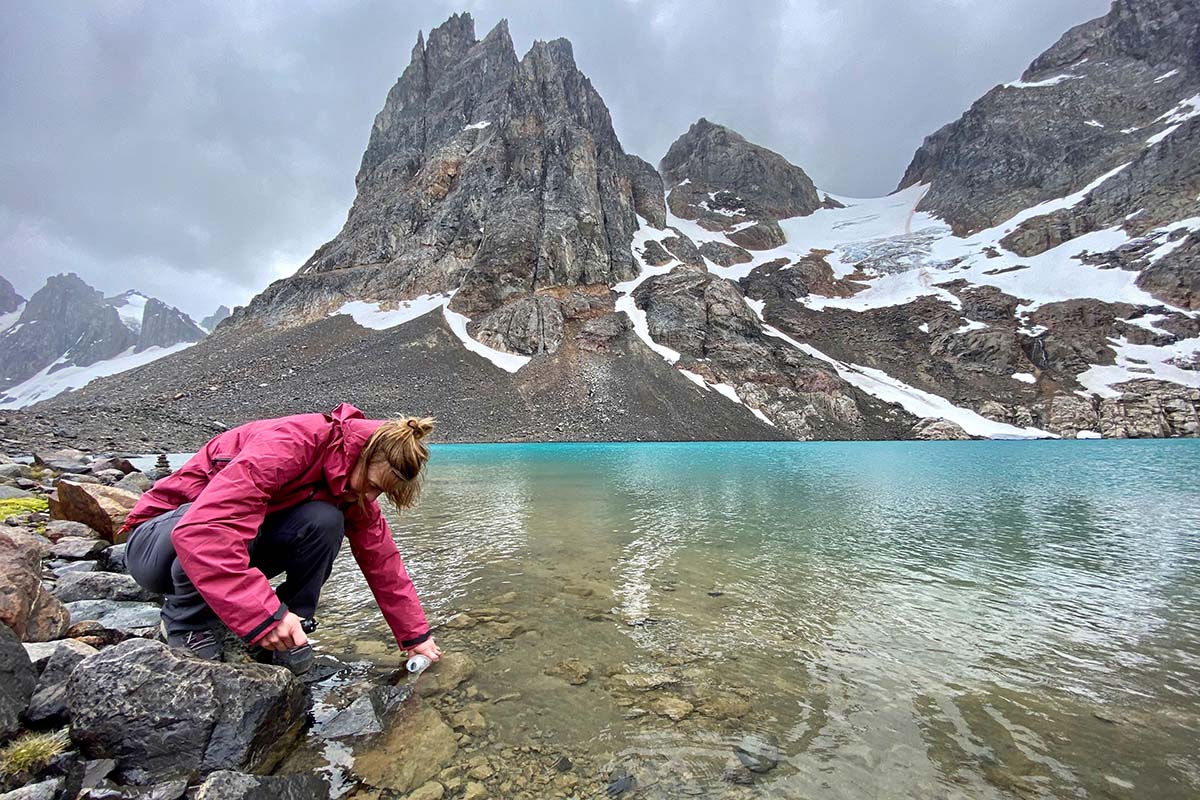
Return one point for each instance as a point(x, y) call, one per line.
point(48, 706)
point(167, 790)
point(226, 785)
point(18, 684)
point(9, 299)
point(163, 326)
point(758, 752)
point(135, 482)
point(11, 492)
point(73, 566)
point(113, 558)
point(120, 615)
point(74, 548)
point(528, 326)
point(214, 319)
point(15, 470)
point(724, 255)
point(56, 529)
point(163, 714)
point(122, 465)
point(75, 586)
point(42, 790)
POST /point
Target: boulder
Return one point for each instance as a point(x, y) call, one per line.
point(227, 785)
point(128, 617)
point(932, 429)
point(13, 493)
point(15, 471)
point(102, 508)
point(58, 528)
point(63, 567)
point(74, 586)
point(33, 613)
point(75, 548)
point(48, 706)
point(136, 482)
point(760, 236)
point(164, 714)
point(122, 465)
point(18, 684)
point(62, 460)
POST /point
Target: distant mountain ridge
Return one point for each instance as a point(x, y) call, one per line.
point(69, 324)
point(507, 268)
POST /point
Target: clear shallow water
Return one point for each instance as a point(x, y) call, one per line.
point(976, 620)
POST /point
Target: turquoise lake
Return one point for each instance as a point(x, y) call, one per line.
point(865, 620)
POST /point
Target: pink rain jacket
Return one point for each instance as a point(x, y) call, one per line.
point(261, 467)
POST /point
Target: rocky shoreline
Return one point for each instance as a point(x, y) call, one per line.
point(94, 706)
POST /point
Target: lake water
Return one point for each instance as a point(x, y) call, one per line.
point(858, 620)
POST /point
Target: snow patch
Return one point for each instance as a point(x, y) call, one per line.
point(371, 315)
point(1094, 123)
point(477, 126)
point(1057, 79)
point(1185, 110)
point(1166, 75)
point(1088, 435)
point(47, 384)
point(1024, 377)
point(625, 302)
point(971, 325)
point(923, 327)
point(132, 310)
point(1135, 361)
point(10, 319)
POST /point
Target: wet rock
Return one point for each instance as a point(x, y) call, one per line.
point(74, 548)
point(619, 782)
point(758, 753)
point(102, 508)
point(48, 706)
point(167, 790)
point(127, 616)
point(367, 713)
point(411, 752)
point(428, 791)
point(32, 613)
point(644, 682)
point(461, 622)
point(75, 586)
point(724, 705)
point(673, 708)
point(19, 681)
point(469, 721)
point(446, 674)
point(571, 670)
point(163, 714)
point(228, 785)
point(505, 599)
point(56, 529)
point(42, 790)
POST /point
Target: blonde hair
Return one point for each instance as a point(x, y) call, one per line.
point(399, 443)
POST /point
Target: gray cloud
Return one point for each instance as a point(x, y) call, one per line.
point(198, 151)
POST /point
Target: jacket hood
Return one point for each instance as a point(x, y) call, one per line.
point(351, 430)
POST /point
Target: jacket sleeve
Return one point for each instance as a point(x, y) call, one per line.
point(212, 539)
point(375, 551)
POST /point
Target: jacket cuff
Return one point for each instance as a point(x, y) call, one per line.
point(266, 624)
point(407, 643)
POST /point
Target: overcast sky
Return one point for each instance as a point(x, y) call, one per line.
point(197, 151)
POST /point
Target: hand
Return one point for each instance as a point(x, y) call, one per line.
point(427, 648)
point(286, 635)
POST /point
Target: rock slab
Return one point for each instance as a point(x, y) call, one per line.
point(163, 714)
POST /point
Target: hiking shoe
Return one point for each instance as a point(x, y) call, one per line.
point(202, 643)
point(299, 659)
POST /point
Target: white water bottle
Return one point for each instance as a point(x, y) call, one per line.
point(417, 664)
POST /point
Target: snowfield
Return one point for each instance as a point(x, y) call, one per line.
point(51, 382)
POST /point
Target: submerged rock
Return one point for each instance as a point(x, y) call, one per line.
point(446, 674)
point(412, 752)
point(758, 753)
point(367, 713)
point(164, 714)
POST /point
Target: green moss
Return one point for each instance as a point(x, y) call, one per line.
point(22, 505)
point(30, 753)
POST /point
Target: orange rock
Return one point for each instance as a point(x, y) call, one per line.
point(102, 508)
